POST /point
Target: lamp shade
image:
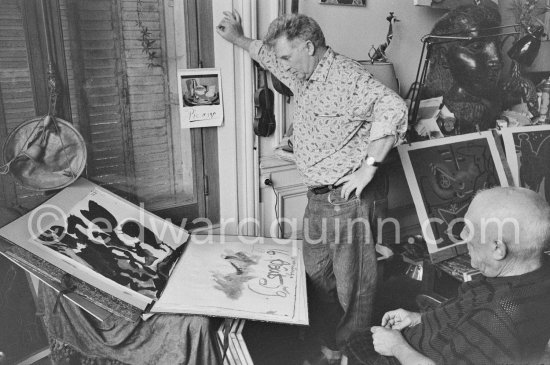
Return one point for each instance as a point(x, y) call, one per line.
point(383, 72)
point(542, 61)
point(525, 50)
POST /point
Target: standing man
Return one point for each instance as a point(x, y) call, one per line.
point(345, 123)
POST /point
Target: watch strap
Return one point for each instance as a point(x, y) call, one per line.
point(372, 162)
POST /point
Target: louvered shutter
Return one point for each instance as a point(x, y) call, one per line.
point(93, 50)
point(149, 104)
point(16, 94)
point(120, 101)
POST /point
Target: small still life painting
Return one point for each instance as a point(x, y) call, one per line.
point(444, 175)
point(528, 153)
point(345, 2)
point(200, 98)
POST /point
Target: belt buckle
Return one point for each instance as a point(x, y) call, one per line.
point(322, 189)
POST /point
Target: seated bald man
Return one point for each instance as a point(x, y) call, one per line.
point(502, 318)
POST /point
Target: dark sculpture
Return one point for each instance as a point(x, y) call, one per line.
point(467, 72)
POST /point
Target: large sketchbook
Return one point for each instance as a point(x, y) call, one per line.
point(157, 267)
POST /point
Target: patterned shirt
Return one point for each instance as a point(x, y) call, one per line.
point(339, 110)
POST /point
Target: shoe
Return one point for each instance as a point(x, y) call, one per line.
point(321, 360)
point(324, 356)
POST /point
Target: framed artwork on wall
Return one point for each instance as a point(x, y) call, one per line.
point(444, 174)
point(345, 2)
point(528, 152)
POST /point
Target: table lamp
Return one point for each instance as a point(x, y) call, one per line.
point(383, 72)
point(378, 64)
point(525, 50)
point(542, 60)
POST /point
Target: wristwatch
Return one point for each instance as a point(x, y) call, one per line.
point(371, 161)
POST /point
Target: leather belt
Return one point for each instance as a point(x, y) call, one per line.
point(318, 190)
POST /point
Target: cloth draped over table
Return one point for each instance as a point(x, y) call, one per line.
point(77, 337)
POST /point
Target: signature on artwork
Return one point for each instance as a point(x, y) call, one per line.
point(275, 283)
point(279, 268)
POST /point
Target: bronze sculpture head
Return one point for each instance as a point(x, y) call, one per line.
point(467, 72)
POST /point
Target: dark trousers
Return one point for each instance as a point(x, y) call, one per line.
point(340, 260)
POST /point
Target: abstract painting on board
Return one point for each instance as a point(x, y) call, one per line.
point(444, 174)
point(528, 154)
point(105, 235)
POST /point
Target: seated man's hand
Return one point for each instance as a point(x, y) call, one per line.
point(400, 318)
point(387, 342)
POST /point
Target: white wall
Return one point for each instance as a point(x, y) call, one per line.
point(235, 137)
point(352, 30)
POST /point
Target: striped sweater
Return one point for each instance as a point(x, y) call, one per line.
point(503, 320)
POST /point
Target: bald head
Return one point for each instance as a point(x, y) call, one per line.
point(518, 219)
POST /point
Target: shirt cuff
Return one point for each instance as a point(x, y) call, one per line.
point(254, 48)
point(391, 126)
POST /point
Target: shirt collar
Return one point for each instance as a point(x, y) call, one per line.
point(538, 275)
point(323, 67)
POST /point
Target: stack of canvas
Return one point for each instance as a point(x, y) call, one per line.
point(154, 266)
point(232, 344)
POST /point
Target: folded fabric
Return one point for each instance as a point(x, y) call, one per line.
point(75, 336)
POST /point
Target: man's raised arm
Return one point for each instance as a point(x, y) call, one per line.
point(231, 30)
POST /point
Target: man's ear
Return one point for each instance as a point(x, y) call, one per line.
point(499, 250)
point(310, 48)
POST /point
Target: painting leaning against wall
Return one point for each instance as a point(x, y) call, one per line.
point(444, 175)
point(527, 153)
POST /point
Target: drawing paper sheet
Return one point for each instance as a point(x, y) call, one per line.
point(241, 277)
